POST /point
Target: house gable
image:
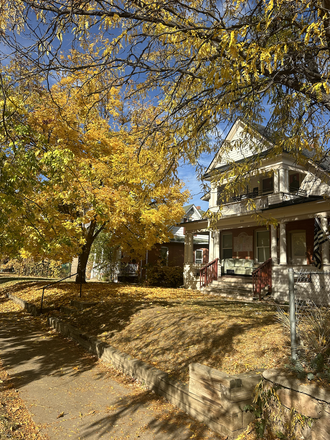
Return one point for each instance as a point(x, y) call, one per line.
point(243, 144)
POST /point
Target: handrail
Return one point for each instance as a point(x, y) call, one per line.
point(262, 265)
point(55, 282)
point(260, 279)
point(209, 272)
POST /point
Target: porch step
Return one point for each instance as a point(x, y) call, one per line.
point(231, 287)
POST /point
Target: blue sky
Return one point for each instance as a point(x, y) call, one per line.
point(187, 174)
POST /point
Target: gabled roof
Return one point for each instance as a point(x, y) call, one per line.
point(261, 135)
point(194, 210)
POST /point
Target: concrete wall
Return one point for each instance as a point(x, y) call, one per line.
point(310, 401)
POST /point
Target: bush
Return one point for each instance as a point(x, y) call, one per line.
point(165, 276)
point(313, 334)
point(29, 267)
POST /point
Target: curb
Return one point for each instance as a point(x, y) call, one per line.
point(156, 380)
point(30, 308)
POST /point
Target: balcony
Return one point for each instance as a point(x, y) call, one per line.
point(237, 205)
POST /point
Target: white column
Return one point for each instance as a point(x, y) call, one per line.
point(214, 195)
point(284, 180)
point(188, 248)
point(273, 249)
point(216, 247)
point(283, 255)
point(325, 246)
point(211, 246)
point(276, 188)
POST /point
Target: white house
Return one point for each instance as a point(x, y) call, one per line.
point(295, 194)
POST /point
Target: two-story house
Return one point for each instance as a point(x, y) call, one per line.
point(241, 244)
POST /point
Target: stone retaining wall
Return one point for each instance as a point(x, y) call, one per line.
point(30, 308)
point(310, 401)
point(226, 418)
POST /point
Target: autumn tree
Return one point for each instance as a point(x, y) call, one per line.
point(73, 165)
point(264, 60)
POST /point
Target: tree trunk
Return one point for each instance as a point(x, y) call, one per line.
point(83, 260)
point(91, 235)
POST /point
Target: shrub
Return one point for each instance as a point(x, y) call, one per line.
point(165, 276)
point(313, 334)
point(30, 267)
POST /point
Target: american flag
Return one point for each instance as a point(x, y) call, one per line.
point(319, 238)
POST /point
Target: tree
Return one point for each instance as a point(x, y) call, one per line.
point(212, 61)
point(73, 165)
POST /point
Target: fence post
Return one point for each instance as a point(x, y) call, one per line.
point(292, 316)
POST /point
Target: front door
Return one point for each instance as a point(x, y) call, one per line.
point(298, 247)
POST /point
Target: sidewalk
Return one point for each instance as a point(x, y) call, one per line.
point(72, 396)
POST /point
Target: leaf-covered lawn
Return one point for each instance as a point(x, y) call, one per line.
point(170, 328)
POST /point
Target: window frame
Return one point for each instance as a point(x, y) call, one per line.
point(223, 248)
point(256, 258)
point(201, 259)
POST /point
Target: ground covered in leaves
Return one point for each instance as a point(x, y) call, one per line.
point(169, 328)
point(15, 419)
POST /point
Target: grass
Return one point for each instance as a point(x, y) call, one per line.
point(169, 328)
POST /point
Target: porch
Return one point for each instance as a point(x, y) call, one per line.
point(263, 255)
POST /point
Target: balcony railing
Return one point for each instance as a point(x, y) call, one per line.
point(293, 192)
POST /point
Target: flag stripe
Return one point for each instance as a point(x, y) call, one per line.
point(319, 238)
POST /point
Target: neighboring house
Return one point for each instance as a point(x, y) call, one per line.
point(290, 192)
point(170, 253)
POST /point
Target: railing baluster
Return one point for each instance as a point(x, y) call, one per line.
point(209, 273)
point(262, 276)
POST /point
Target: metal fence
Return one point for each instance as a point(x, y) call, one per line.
point(309, 314)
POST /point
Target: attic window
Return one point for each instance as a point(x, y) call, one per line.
point(267, 185)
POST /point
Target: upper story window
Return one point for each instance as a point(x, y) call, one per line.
point(221, 197)
point(267, 185)
point(294, 182)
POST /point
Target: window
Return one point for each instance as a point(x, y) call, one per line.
point(199, 256)
point(262, 251)
point(221, 196)
point(294, 182)
point(227, 245)
point(297, 247)
point(267, 185)
point(164, 255)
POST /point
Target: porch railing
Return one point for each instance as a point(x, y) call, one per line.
point(208, 273)
point(262, 277)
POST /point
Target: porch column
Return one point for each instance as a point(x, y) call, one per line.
point(188, 248)
point(283, 180)
point(283, 256)
point(325, 246)
point(211, 246)
point(273, 249)
point(216, 245)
